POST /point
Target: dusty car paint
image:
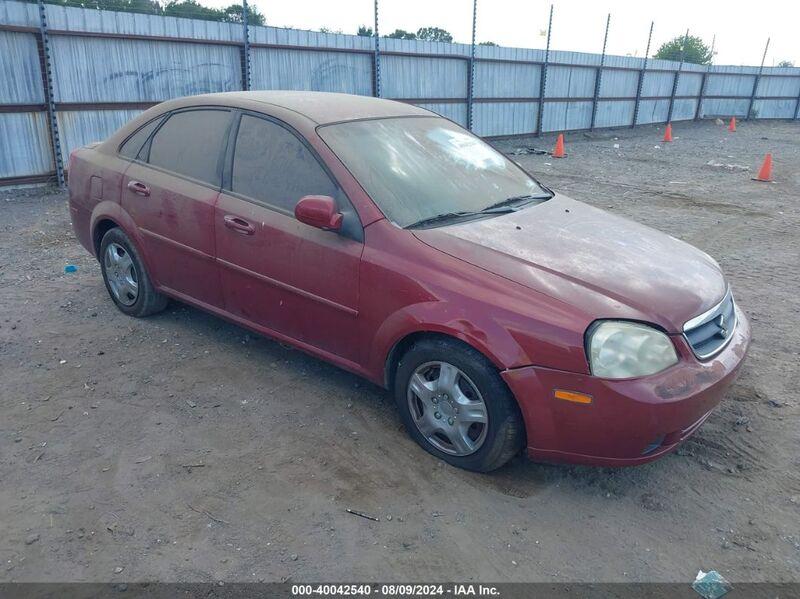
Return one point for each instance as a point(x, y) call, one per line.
point(520, 288)
point(592, 256)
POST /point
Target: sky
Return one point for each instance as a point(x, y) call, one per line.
point(741, 28)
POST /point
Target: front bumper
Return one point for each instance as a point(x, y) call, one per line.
point(629, 421)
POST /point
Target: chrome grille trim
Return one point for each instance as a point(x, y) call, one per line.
point(725, 306)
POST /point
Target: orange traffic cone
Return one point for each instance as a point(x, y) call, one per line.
point(765, 174)
point(559, 151)
point(732, 126)
point(668, 132)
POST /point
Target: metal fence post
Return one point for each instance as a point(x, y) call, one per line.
point(797, 108)
point(543, 77)
point(756, 81)
point(641, 78)
point(245, 49)
point(471, 78)
point(700, 97)
point(677, 77)
point(47, 84)
point(703, 81)
point(376, 59)
point(598, 76)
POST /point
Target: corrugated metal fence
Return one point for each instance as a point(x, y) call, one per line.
point(109, 66)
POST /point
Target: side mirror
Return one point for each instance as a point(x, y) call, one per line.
point(319, 212)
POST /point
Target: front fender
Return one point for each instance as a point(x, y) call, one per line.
point(414, 288)
point(477, 330)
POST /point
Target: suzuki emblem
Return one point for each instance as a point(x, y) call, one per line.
point(723, 331)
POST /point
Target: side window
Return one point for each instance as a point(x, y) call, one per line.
point(272, 166)
point(130, 149)
point(189, 144)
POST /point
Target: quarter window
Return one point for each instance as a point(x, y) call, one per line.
point(130, 149)
point(271, 165)
point(189, 144)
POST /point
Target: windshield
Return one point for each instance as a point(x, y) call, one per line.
point(418, 168)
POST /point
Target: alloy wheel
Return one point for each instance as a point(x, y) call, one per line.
point(121, 274)
point(447, 408)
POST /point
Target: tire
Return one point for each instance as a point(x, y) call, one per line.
point(424, 404)
point(126, 279)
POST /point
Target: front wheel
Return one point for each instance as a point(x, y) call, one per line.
point(455, 405)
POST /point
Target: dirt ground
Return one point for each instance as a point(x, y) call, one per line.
point(183, 448)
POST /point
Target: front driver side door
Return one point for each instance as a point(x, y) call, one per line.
point(285, 276)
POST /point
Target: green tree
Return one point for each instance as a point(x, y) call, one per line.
point(434, 34)
point(190, 9)
point(329, 30)
point(486, 44)
point(233, 14)
point(696, 51)
point(142, 6)
point(785, 63)
point(402, 34)
point(364, 31)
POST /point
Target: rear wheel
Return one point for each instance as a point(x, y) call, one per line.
point(125, 277)
point(455, 405)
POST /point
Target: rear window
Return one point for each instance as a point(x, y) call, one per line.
point(190, 142)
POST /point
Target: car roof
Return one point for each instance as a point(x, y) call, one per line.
point(320, 107)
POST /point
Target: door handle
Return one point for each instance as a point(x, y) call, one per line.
point(238, 224)
point(140, 189)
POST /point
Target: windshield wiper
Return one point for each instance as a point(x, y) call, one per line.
point(511, 204)
point(431, 220)
point(525, 199)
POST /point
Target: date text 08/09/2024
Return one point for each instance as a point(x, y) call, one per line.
point(395, 590)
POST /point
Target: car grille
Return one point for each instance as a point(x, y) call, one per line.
point(709, 332)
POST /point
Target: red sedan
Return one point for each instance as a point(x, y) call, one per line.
point(395, 244)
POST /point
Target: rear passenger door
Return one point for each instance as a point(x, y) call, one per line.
point(291, 278)
point(170, 190)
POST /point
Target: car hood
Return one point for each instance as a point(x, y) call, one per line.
point(601, 264)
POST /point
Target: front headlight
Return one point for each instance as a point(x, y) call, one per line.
point(621, 350)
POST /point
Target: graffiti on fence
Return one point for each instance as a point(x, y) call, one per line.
point(164, 82)
point(332, 75)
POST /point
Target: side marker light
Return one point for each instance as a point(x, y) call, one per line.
point(572, 396)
